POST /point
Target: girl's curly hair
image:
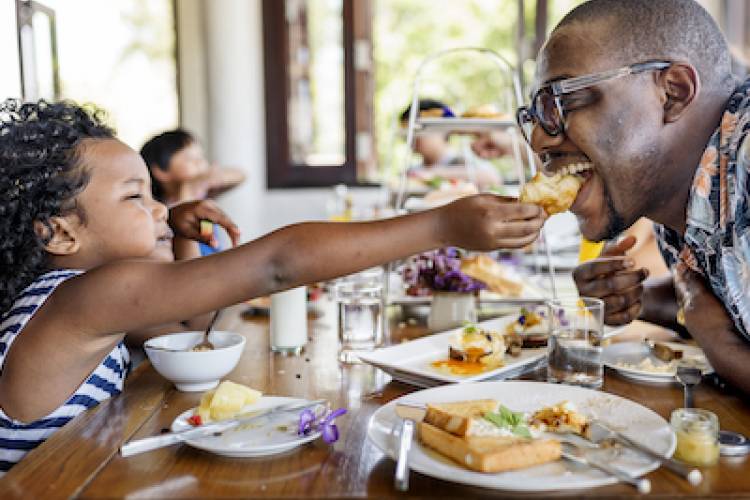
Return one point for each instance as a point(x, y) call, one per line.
point(40, 176)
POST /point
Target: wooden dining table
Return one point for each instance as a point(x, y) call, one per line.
point(82, 460)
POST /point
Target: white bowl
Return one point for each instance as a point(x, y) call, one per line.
point(192, 371)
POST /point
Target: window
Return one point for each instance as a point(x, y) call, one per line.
point(117, 55)
point(318, 92)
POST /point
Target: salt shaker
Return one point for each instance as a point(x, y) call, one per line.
point(289, 320)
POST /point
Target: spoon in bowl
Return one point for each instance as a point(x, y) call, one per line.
point(205, 344)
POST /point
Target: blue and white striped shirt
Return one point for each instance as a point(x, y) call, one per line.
point(18, 438)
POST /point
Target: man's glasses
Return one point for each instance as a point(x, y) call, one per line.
point(548, 108)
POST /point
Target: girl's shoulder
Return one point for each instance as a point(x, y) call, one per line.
point(32, 297)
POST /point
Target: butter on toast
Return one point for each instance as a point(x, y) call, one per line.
point(458, 418)
point(490, 454)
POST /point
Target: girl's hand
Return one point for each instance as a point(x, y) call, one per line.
point(185, 220)
point(488, 222)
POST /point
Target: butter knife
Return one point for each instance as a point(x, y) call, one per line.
point(137, 446)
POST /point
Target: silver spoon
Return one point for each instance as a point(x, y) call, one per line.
point(205, 345)
point(689, 377)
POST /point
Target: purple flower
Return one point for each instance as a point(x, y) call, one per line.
point(439, 270)
point(325, 424)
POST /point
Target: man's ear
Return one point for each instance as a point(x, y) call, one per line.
point(62, 235)
point(680, 85)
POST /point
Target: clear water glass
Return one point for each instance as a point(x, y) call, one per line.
point(359, 300)
point(575, 348)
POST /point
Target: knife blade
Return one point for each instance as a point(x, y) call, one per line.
point(137, 446)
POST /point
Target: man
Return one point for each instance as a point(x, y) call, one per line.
point(658, 137)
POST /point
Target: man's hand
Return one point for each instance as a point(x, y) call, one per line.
point(613, 278)
point(185, 220)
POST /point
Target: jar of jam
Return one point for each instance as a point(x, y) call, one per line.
point(697, 432)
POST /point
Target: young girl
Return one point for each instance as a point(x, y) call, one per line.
point(77, 220)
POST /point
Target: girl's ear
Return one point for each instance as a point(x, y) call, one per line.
point(63, 236)
point(162, 176)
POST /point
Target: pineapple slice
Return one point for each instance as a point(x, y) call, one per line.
point(229, 399)
point(204, 409)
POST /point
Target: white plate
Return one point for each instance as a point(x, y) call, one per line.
point(410, 361)
point(635, 352)
point(624, 415)
point(266, 437)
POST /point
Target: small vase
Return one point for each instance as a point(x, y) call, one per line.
point(451, 309)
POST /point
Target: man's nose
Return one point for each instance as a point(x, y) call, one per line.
point(542, 142)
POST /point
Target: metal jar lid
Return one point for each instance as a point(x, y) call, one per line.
point(733, 444)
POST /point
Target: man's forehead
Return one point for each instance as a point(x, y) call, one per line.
point(572, 51)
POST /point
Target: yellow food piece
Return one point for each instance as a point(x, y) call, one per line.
point(207, 228)
point(554, 194)
point(226, 401)
point(487, 111)
point(696, 448)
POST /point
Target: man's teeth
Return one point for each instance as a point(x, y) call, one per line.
point(576, 168)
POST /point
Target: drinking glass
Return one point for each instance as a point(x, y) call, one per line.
point(359, 300)
point(575, 349)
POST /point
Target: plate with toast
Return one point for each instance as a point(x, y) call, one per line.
point(488, 350)
point(507, 435)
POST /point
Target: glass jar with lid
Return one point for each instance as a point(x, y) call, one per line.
point(697, 432)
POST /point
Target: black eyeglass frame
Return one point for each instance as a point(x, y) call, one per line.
point(528, 115)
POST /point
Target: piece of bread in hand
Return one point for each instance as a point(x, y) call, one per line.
point(490, 454)
point(554, 194)
point(458, 418)
point(490, 272)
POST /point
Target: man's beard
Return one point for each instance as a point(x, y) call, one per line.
point(616, 224)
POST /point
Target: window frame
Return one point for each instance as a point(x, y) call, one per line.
point(281, 171)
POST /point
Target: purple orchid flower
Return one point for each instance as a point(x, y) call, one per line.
point(308, 423)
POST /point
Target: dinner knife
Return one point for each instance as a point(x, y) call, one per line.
point(597, 431)
point(154, 442)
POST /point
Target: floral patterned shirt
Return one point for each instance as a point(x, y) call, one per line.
point(716, 242)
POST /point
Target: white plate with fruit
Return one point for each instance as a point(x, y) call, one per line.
point(265, 436)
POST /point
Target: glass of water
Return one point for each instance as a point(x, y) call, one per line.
point(359, 299)
point(575, 349)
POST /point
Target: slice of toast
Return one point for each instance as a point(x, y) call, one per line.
point(485, 269)
point(457, 418)
point(490, 454)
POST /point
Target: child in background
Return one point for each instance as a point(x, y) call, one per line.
point(77, 222)
point(439, 159)
point(180, 171)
